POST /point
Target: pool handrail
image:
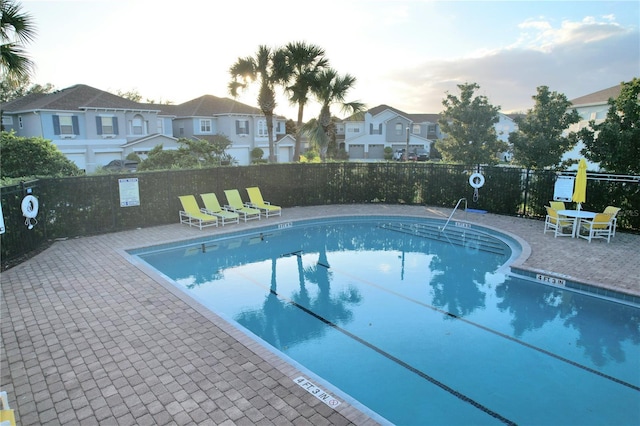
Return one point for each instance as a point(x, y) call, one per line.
point(454, 210)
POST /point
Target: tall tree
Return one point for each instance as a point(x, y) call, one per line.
point(615, 143)
point(304, 62)
point(539, 141)
point(16, 30)
point(269, 69)
point(15, 88)
point(331, 89)
point(468, 123)
point(132, 95)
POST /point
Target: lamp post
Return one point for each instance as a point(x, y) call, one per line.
point(406, 151)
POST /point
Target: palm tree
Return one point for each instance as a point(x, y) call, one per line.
point(331, 89)
point(304, 62)
point(16, 29)
point(268, 68)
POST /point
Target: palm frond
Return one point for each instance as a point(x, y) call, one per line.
point(14, 22)
point(14, 63)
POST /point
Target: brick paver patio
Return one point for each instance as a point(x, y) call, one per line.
point(90, 337)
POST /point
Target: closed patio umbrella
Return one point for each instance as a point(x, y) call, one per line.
point(580, 188)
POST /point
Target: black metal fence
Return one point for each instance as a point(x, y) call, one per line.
point(86, 205)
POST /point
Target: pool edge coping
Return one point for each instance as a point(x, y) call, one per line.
point(514, 266)
point(350, 408)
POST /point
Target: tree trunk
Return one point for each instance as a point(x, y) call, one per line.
point(272, 150)
point(298, 145)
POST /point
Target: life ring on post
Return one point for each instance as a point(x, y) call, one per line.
point(30, 207)
point(30, 210)
point(476, 180)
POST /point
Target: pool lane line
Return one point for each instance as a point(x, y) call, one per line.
point(398, 361)
point(497, 333)
point(387, 355)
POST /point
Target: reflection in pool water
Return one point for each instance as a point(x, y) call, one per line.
point(420, 330)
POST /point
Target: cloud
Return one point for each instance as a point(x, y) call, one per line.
point(576, 59)
point(540, 35)
point(178, 54)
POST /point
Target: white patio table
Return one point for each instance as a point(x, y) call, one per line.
point(577, 214)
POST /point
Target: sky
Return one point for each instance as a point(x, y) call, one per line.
point(407, 54)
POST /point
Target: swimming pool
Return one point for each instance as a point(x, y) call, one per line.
point(420, 327)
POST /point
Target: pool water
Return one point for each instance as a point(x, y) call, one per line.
point(419, 327)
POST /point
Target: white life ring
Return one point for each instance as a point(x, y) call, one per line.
point(30, 207)
point(476, 184)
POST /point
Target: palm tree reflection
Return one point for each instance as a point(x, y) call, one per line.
point(285, 322)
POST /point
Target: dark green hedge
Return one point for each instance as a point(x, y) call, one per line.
point(86, 205)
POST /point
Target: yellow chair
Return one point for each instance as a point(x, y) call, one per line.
point(191, 214)
point(7, 415)
point(212, 207)
point(235, 204)
point(256, 200)
point(601, 226)
point(557, 205)
point(613, 212)
point(558, 223)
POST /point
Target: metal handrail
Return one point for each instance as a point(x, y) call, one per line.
point(454, 210)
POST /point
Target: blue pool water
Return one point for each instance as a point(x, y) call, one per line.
point(419, 327)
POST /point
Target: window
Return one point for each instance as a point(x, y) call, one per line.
point(107, 125)
point(160, 124)
point(262, 129)
point(416, 129)
point(65, 125)
point(20, 123)
point(137, 125)
point(373, 131)
point(205, 126)
point(7, 120)
point(399, 129)
point(242, 127)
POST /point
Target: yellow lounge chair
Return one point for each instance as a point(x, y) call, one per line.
point(255, 200)
point(601, 226)
point(191, 214)
point(557, 205)
point(558, 223)
point(613, 212)
point(235, 204)
point(7, 414)
point(212, 207)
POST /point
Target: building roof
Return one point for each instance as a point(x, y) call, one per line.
point(599, 97)
point(82, 97)
point(209, 105)
point(78, 97)
point(416, 118)
point(424, 118)
point(381, 108)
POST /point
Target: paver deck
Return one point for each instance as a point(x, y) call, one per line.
point(89, 337)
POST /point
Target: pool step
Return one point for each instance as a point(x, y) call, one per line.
point(461, 236)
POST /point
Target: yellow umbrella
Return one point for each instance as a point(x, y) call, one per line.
point(580, 188)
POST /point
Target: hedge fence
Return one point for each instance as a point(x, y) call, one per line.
point(88, 205)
